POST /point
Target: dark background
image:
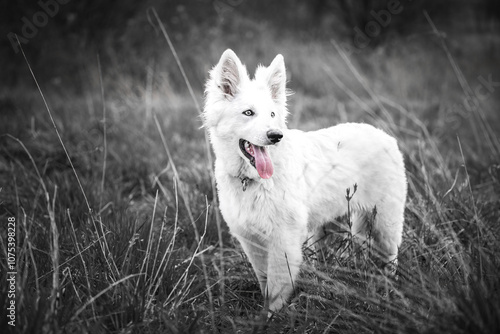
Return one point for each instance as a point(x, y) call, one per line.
point(81, 29)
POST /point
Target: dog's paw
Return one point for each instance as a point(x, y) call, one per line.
point(390, 269)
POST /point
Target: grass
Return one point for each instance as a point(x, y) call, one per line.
point(146, 253)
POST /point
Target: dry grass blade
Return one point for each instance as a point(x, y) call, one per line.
point(177, 178)
point(54, 243)
point(349, 92)
point(427, 136)
point(158, 276)
point(68, 260)
point(147, 256)
point(94, 298)
point(366, 86)
point(195, 100)
point(215, 204)
point(190, 263)
point(467, 174)
point(104, 130)
point(489, 134)
point(160, 237)
point(55, 126)
point(54, 253)
point(32, 256)
point(105, 247)
point(177, 60)
point(81, 257)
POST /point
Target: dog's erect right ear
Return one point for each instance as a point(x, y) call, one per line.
point(228, 73)
point(277, 79)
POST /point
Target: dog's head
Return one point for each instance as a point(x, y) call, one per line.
point(247, 114)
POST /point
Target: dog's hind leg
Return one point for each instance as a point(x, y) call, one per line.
point(362, 229)
point(387, 234)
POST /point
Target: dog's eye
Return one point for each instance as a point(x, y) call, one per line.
point(248, 113)
point(272, 114)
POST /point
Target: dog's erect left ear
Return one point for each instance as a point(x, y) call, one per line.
point(277, 79)
point(228, 73)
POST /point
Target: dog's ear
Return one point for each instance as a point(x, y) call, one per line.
point(228, 73)
point(277, 79)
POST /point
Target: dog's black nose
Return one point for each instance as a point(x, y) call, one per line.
point(274, 136)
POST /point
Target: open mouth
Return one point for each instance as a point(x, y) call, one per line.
point(258, 157)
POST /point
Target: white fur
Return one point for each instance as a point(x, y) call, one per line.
point(273, 217)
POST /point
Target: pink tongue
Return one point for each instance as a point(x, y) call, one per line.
point(263, 162)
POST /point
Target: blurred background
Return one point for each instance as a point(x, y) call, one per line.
point(441, 69)
point(398, 53)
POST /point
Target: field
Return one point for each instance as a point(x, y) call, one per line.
point(108, 177)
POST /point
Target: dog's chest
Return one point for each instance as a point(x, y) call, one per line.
point(255, 207)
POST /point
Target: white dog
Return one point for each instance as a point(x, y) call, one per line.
point(277, 187)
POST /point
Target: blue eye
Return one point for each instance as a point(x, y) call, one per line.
point(248, 113)
point(272, 114)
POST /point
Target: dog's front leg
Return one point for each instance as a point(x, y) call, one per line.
point(255, 247)
point(284, 260)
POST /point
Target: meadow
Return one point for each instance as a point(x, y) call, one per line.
point(108, 176)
